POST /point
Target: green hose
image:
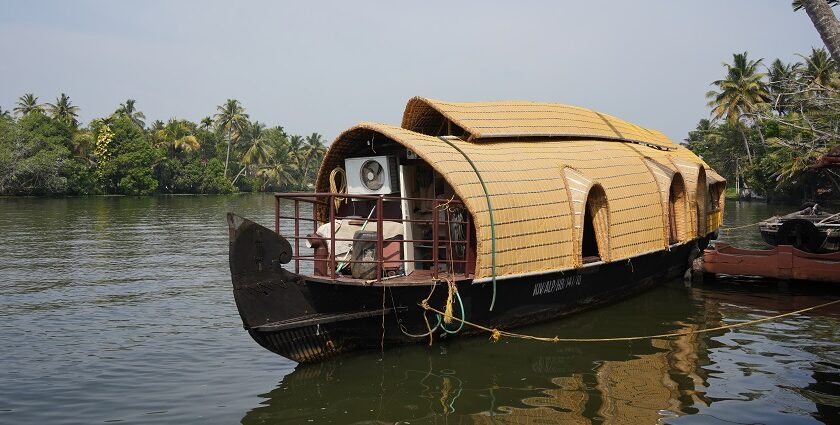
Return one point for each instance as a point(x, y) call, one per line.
point(463, 317)
point(492, 222)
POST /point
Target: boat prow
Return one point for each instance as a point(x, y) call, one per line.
point(276, 305)
point(265, 293)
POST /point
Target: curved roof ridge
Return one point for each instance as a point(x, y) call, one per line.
point(515, 119)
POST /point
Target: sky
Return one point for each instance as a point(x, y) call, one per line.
point(322, 66)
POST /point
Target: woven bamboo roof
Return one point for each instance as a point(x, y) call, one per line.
point(485, 121)
point(537, 188)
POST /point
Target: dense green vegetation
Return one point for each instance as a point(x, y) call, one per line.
point(45, 151)
point(769, 124)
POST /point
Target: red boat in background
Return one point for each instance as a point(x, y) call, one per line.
point(782, 262)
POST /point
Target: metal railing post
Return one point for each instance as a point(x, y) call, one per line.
point(380, 263)
point(435, 237)
point(297, 237)
point(332, 236)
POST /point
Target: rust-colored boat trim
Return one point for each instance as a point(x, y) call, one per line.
point(782, 262)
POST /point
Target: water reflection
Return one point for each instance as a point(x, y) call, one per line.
point(515, 382)
point(119, 309)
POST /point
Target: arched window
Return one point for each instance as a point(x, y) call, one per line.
point(701, 202)
point(677, 211)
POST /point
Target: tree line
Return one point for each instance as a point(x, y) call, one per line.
point(770, 123)
point(44, 150)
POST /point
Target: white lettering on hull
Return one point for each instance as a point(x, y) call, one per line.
point(555, 285)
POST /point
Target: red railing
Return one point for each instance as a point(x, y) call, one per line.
point(327, 200)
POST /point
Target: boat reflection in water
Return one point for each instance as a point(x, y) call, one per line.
point(690, 379)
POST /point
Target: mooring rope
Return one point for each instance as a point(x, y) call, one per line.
point(726, 229)
point(496, 334)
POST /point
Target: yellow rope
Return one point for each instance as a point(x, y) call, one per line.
point(447, 315)
point(445, 206)
point(496, 334)
point(335, 188)
point(726, 229)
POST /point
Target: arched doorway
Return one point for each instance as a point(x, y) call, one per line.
point(595, 238)
point(701, 198)
point(677, 210)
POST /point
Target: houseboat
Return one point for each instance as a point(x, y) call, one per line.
point(502, 213)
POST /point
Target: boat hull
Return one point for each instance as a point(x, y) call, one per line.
point(783, 262)
point(310, 319)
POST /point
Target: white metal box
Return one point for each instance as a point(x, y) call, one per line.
point(372, 175)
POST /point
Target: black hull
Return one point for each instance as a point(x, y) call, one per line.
point(310, 319)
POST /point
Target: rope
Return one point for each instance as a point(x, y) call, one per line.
point(447, 315)
point(335, 188)
point(429, 329)
point(496, 334)
point(492, 221)
point(726, 229)
point(463, 316)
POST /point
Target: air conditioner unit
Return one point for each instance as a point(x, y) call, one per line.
point(373, 175)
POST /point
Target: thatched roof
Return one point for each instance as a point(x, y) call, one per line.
point(485, 121)
point(539, 184)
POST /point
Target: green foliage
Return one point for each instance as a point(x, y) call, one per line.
point(138, 181)
point(64, 111)
point(767, 131)
point(33, 156)
point(81, 177)
point(28, 104)
point(44, 151)
point(213, 179)
point(129, 171)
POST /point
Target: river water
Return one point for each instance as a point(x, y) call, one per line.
point(120, 310)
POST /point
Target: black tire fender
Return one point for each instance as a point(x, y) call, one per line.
point(801, 234)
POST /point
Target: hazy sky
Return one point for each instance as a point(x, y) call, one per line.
point(323, 66)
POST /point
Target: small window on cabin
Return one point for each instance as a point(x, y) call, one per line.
point(714, 198)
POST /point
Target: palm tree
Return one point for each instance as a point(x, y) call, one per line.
point(259, 152)
point(231, 120)
point(176, 136)
point(819, 68)
point(313, 150)
point(824, 21)
point(781, 76)
point(297, 155)
point(130, 110)
point(4, 114)
point(206, 123)
point(156, 125)
point(278, 172)
point(741, 93)
point(63, 110)
point(26, 104)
